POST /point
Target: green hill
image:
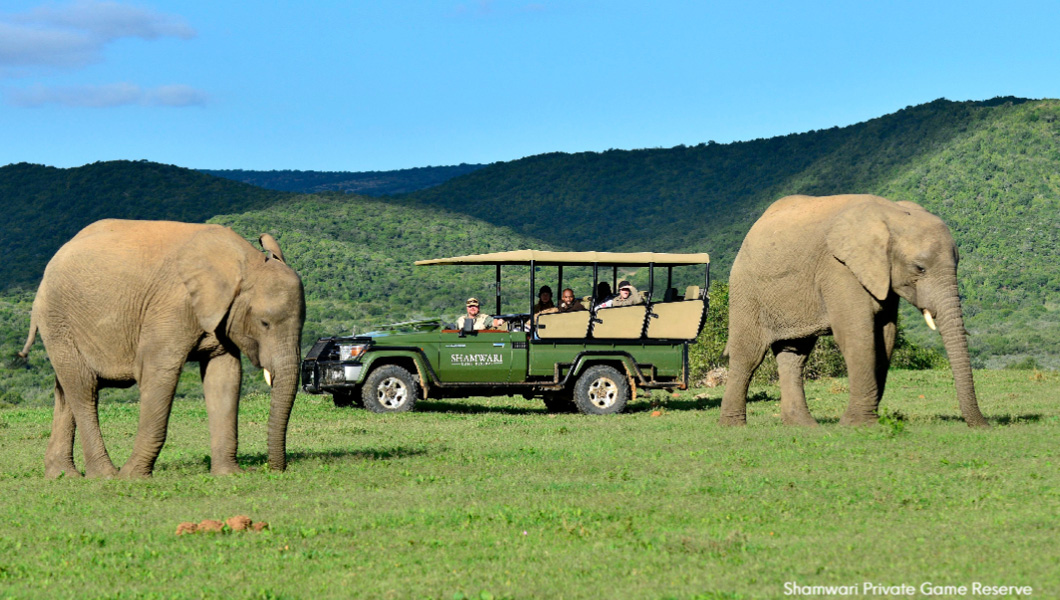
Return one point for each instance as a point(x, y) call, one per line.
point(44, 206)
point(355, 256)
point(369, 183)
point(987, 168)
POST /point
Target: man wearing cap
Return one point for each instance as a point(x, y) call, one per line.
point(480, 320)
point(627, 295)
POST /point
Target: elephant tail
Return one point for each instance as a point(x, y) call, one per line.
point(32, 337)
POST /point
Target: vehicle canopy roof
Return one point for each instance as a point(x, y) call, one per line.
point(549, 257)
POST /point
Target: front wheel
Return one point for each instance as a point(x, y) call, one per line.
point(390, 389)
point(601, 390)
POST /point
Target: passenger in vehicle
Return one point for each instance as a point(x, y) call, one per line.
point(567, 302)
point(628, 295)
point(481, 321)
point(544, 300)
point(603, 295)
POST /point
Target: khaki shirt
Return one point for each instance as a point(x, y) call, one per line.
point(482, 321)
point(635, 298)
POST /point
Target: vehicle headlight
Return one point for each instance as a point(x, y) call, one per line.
point(351, 351)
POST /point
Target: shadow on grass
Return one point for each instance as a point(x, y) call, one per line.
point(998, 420)
point(694, 403)
point(258, 460)
point(471, 408)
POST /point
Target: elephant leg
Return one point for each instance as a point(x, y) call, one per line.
point(888, 335)
point(861, 352)
point(791, 359)
point(80, 391)
point(158, 384)
point(221, 381)
point(59, 458)
point(742, 365)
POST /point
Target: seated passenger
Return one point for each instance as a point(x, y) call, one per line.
point(603, 296)
point(481, 321)
point(567, 304)
point(627, 295)
point(544, 300)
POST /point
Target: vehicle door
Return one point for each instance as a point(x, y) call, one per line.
point(481, 356)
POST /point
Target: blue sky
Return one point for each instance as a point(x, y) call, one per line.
point(359, 86)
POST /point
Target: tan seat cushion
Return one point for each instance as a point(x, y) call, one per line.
point(563, 325)
point(625, 322)
point(676, 320)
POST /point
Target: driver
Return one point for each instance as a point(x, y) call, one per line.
point(481, 321)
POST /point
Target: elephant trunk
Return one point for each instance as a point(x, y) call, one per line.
point(951, 326)
point(284, 387)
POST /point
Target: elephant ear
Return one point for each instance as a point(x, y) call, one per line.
point(268, 243)
point(211, 267)
point(860, 239)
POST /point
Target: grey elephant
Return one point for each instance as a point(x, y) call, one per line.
point(813, 266)
point(128, 302)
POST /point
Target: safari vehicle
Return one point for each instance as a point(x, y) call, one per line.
point(593, 361)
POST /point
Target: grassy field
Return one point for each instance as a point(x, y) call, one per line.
point(494, 498)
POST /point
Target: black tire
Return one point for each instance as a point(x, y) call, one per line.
point(390, 389)
point(347, 398)
point(601, 390)
point(559, 402)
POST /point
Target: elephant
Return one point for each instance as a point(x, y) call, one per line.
point(813, 266)
point(127, 302)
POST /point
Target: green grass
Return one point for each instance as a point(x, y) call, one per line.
point(495, 498)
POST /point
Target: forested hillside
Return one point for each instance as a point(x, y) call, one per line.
point(987, 168)
point(990, 169)
point(368, 183)
point(356, 254)
point(44, 206)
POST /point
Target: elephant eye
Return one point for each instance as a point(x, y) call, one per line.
point(921, 270)
point(265, 324)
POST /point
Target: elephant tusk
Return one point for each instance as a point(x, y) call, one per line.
point(930, 322)
point(268, 376)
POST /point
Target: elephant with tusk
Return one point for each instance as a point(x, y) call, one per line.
point(127, 302)
point(813, 266)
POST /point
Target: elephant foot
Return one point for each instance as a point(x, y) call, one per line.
point(104, 471)
point(65, 470)
point(232, 469)
point(799, 419)
point(859, 419)
point(131, 471)
point(733, 420)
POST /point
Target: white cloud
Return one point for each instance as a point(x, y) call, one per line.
point(109, 20)
point(106, 96)
point(74, 34)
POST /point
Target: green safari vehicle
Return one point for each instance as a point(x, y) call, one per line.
point(592, 361)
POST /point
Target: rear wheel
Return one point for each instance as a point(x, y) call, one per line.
point(601, 390)
point(390, 389)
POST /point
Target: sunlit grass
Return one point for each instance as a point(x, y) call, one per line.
point(497, 496)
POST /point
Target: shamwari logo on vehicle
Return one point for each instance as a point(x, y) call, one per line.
point(477, 360)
